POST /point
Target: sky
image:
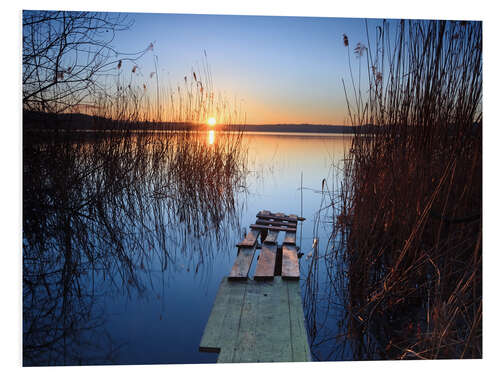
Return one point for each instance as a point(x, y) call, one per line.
point(278, 69)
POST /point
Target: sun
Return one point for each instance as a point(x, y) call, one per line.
point(211, 121)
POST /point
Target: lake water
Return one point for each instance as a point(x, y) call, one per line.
point(87, 300)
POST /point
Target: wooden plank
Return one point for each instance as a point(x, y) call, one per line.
point(265, 265)
point(256, 321)
point(287, 229)
point(270, 216)
point(250, 239)
point(209, 340)
point(290, 238)
point(273, 323)
point(246, 343)
point(242, 264)
point(300, 345)
point(290, 263)
point(290, 218)
point(232, 316)
point(227, 301)
point(277, 223)
point(271, 237)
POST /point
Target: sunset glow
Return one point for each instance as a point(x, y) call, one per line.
point(295, 77)
point(211, 121)
point(211, 137)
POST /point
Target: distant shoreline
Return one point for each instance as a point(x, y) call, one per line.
point(78, 121)
point(296, 128)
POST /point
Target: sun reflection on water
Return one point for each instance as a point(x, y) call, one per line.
point(211, 137)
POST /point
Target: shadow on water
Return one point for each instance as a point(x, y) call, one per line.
point(107, 213)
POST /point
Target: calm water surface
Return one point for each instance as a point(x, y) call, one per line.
point(151, 307)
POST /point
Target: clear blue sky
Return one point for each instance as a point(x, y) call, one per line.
point(283, 69)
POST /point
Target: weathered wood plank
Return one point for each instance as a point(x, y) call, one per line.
point(264, 212)
point(290, 218)
point(290, 238)
point(246, 343)
point(257, 321)
point(271, 216)
point(242, 264)
point(265, 265)
point(250, 239)
point(300, 345)
point(290, 263)
point(272, 237)
point(232, 315)
point(287, 229)
point(227, 301)
point(209, 340)
point(277, 223)
point(273, 324)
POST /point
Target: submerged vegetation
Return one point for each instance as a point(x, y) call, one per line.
point(407, 235)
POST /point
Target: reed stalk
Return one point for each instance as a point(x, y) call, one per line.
point(409, 225)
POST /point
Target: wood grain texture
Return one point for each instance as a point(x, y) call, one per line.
point(246, 344)
point(290, 238)
point(273, 323)
point(287, 229)
point(256, 321)
point(242, 264)
point(272, 237)
point(224, 317)
point(290, 218)
point(300, 345)
point(276, 223)
point(250, 239)
point(266, 262)
point(290, 263)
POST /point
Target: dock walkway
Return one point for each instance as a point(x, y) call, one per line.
point(261, 320)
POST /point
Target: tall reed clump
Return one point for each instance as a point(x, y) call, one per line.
point(131, 96)
point(410, 218)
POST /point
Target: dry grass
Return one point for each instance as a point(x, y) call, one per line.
point(409, 224)
point(132, 96)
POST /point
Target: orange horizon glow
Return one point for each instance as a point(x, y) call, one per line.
point(290, 78)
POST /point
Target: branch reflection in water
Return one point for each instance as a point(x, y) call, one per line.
point(105, 213)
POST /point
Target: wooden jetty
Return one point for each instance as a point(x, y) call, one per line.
point(261, 319)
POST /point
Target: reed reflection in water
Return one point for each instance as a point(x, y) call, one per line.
point(107, 214)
